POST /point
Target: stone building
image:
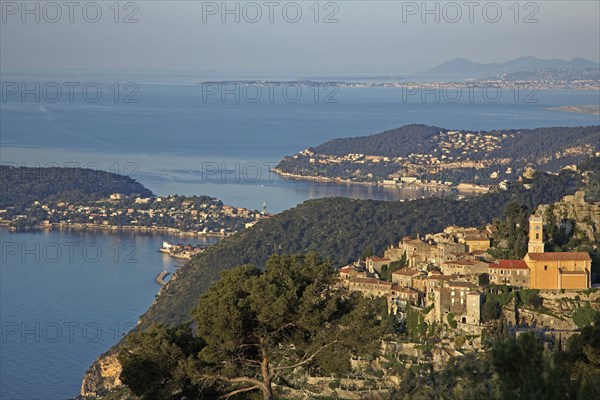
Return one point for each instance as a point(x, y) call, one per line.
point(355, 270)
point(435, 250)
point(404, 277)
point(465, 267)
point(476, 241)
point(461, 299)
point(510, 272)
point(417, 251)
point(370, 287)
point(375, 263)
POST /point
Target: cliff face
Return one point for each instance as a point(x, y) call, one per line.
point(558, 310)
point(574, 212)
point(102, 376)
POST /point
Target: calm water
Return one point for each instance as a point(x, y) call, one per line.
point(67, 296)
point(175, 141)
point(60, 312)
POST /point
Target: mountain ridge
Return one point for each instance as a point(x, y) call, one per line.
point(466, 68)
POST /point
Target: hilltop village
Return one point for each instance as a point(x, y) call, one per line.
point(453, 272)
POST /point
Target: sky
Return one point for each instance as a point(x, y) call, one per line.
point(279, 37)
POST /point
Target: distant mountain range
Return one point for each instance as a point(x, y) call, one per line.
point(461, 68)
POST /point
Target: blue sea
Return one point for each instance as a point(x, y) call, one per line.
point(59, 312)
point(180, 138)
point(67, 296)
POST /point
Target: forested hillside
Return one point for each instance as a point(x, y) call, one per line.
point(21, 186)
point(397, 142)
point(340, 229)
point(515, 143)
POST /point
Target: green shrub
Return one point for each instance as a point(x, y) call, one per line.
point(459, 342)
point(584, 316)
point(451, 321)
point(491, 310)
point(531, 297)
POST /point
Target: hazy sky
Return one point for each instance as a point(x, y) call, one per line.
point(369, 37)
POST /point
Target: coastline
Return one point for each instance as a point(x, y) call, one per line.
point(160, 279)
point(423, 186)
point(321, 178)
point(591, 110)
point(130, 228)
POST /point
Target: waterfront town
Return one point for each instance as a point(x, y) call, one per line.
point(452, 272)
point(465, 161)
point(454, 150)
point(180, 250)
point(173, 214)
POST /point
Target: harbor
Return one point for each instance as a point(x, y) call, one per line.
point(181, 251)
point(160, 279)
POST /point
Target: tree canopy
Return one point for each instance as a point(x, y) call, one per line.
point(254, 328)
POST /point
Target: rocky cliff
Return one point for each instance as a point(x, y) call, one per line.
point(573, 212)
point(102, 376)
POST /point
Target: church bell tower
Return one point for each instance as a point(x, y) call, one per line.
point(536, 234)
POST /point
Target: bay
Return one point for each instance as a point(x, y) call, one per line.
point(175, 141)
point(67, 296)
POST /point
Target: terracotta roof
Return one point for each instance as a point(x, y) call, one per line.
point(375, 258)
point(510, 264)
point(563, 256)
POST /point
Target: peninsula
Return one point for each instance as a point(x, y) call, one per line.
point(441, 159)
point(76, 198)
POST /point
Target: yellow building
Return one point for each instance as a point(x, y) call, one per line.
point(536, 234)
point(475, 240)
point(560, 270)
